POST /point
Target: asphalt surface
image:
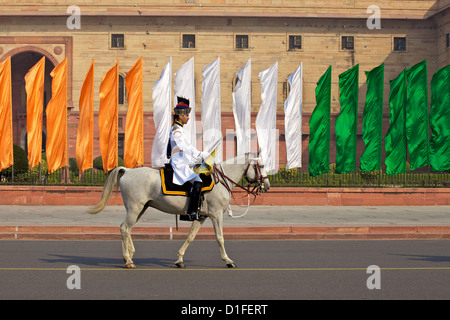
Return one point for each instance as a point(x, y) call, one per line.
point(267, 271)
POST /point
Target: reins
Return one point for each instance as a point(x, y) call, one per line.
point(253, 188)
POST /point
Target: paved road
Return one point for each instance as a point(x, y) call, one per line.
point(268, 270)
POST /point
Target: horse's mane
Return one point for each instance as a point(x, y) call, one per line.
point(240, 159)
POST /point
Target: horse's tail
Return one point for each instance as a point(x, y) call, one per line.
point(111, 182)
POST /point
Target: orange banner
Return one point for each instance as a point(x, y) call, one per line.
point(85, 132)
point(108, 118)
point(134, 129)
point(34, 86)
point(6, 137)
point(57, 119)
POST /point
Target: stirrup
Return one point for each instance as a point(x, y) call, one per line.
point(191, 216)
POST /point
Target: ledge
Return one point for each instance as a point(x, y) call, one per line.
point(85, 195)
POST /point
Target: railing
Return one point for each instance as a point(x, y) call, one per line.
point(284, 178)
point(422, 178)
point(62, 176)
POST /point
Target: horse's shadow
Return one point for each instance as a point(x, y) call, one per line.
point(105, 262)
point(429, 258)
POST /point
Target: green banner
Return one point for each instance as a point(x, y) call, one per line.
point(372, 124)
point(346, 122)
point(319, 128)
point(417, 127)
point(395, 139)
point(440, 120)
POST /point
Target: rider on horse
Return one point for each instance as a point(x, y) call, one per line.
point(183, 156)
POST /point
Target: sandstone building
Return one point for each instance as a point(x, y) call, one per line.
point(317, 33)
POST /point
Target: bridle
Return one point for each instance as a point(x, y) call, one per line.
point(254, 187)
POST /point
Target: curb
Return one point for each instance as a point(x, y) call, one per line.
point(230, 233)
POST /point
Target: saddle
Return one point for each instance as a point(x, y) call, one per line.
point(170, 188)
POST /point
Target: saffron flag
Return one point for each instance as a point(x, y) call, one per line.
point(85, 132)
point(372, 123)
point(134, 129)
point(162, 109)
point(319, 128)
point(211, 111)
point(242, 104)
point(57, 119)
point(34, 87)
point(184, 86)
point(440, 120)
point(417, 128)
point(6, 137)
point(108, 118)
point(293, 120)
point(346, 122)
point(395, 139)
point(266, 120)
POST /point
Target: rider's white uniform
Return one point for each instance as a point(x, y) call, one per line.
point(184, 156)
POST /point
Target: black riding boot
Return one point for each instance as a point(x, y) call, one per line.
point(194, 203)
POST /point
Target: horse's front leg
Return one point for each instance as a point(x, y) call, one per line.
point(191, 236)
point(217, 221)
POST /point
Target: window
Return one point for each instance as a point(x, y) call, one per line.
point(447, 40)
point(286, 90)
point(188, 41)
point(234, 82)
point(295, 43)
point(347, 43)
point(399, 44)
point(121, 89)
point(117, 40)
point(120, 145)
point(241, 41)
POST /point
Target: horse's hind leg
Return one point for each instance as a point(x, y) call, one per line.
point(131, 249)
point(125, 230)
point(191, 236)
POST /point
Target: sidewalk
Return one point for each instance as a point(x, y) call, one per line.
point(261, 222)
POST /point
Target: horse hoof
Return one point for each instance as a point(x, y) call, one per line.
point(180, 265)
point(130, 265)
point(231, 265)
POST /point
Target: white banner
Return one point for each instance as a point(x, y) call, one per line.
point(184, 86)
point(211, 109)
point(293, 120)
point(242, 104)
point(266, 119)
point(162, 110)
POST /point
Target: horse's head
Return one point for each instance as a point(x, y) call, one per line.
point(255, 174)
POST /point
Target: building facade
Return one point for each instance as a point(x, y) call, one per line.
point(315, 33)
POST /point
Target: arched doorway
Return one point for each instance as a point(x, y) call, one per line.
point(20, 64)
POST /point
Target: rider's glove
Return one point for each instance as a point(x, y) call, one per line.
point(204, 155)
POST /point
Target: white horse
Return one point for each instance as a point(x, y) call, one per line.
point(141, 188)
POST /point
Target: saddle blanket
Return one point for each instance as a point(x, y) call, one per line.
point(170, 188)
